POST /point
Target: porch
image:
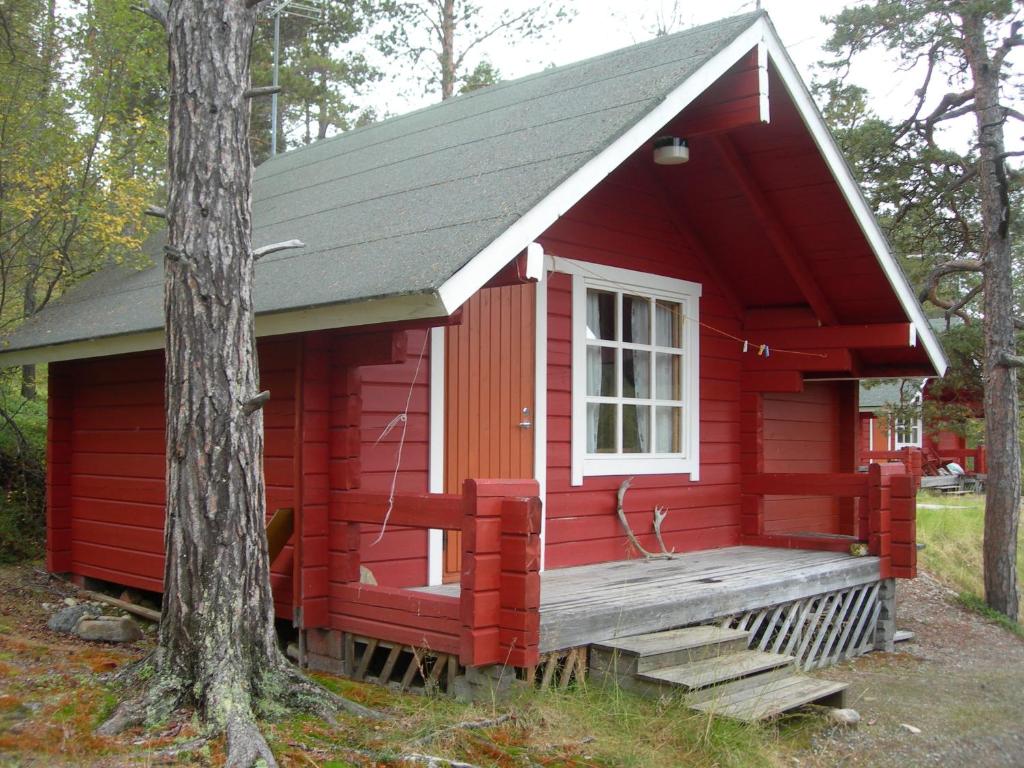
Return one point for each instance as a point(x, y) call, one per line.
point(506, 612)
point(595, 603)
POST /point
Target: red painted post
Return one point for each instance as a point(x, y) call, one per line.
point(879, 522)
point(904, 527)
point(481, 572)
point(519, 632)
point(981, 460)
point(314, 481)
point(496, 537)
point(58, 468)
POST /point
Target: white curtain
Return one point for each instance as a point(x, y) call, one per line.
point(664, 424)
point(641, 322)
point(593, 368)
point(664, 322)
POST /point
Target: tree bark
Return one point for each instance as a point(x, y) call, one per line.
point(218, 650)
point(1002, 503)
point(447, 49)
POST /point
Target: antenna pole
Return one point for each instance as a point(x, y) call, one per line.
point(273, 99)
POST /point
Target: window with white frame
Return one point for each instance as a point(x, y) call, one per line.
point(635, 383)
point(907, 433)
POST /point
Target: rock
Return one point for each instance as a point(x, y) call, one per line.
point(67, 618)
point(910, 728)
point(70, 601)
point(109, 629)
point(845, 717)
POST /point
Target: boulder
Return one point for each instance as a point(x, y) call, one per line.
point(109, 629)
point(67, 618)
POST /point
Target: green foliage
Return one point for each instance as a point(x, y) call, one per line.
point(322, 74)
point(22, 478)
point(483, 75)
point(81, 132)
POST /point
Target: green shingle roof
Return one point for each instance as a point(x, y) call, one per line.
point(399, 207)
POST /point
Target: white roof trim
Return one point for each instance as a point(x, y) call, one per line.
point(390, 310)
point(468, 280)
point(854, 197)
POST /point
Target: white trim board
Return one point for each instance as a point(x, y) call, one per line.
point(540, 401)
point(435, 536)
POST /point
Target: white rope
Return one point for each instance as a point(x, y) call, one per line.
point(403, 419)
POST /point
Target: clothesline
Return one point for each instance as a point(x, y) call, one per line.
point(763, 350)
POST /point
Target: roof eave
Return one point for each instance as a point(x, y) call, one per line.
point(390, 309)
point(854, 197)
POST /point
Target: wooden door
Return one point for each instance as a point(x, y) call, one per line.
point(489, 381)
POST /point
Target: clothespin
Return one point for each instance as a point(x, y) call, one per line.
point(767, 351)
point(746, 345)
point(760, 350)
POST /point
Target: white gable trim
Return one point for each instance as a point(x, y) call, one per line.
point(464, 283)
point(837, 164)
point(468, 280)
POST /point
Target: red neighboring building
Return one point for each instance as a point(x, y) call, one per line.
point(550, 306)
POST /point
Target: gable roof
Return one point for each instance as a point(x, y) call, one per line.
point(407, 218)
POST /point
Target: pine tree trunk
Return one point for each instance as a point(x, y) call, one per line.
point(1002, 503)
point(447, 49)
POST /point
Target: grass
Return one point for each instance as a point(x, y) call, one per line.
point(952, 530)
point(586, 726)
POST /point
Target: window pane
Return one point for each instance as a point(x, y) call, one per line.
point(636, 373)
point(636, 429)
point(668, 374)
point(600, 428)
point(600, 315)
point(601, 372)
point(669, 322)
point(669, 429)
point(636, 319)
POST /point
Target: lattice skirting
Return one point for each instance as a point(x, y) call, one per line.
point(402, 667)
point(820, 630)
point(557, 669)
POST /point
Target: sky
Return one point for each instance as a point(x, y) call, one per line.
point(600, 26)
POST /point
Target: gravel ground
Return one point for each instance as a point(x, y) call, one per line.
point(960, 682)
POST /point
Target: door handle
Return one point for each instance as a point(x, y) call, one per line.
point(526, 423)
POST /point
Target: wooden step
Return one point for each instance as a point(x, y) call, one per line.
point(774, 698)
point(642, 653)
point(720, 669)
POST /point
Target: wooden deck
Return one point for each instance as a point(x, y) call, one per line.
point(593, 603)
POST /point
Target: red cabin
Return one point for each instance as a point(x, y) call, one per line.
point(508, 304)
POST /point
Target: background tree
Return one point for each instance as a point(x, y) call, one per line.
point(78, 147)
point(218, 650)
point(954, 209)
point(322, 75)
point(441, 37)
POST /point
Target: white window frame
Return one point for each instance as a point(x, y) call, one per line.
point(900, 425)
point(586, 275)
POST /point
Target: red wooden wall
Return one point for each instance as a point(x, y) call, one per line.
point(626, 222)
point(114, 480)
point(400, 558)
point(801, 434)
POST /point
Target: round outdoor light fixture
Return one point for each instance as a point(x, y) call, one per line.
point(671, 150)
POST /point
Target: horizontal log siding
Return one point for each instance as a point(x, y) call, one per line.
point(400, 558)
point(801, 435)
point(625, 223)
point(117, 464)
